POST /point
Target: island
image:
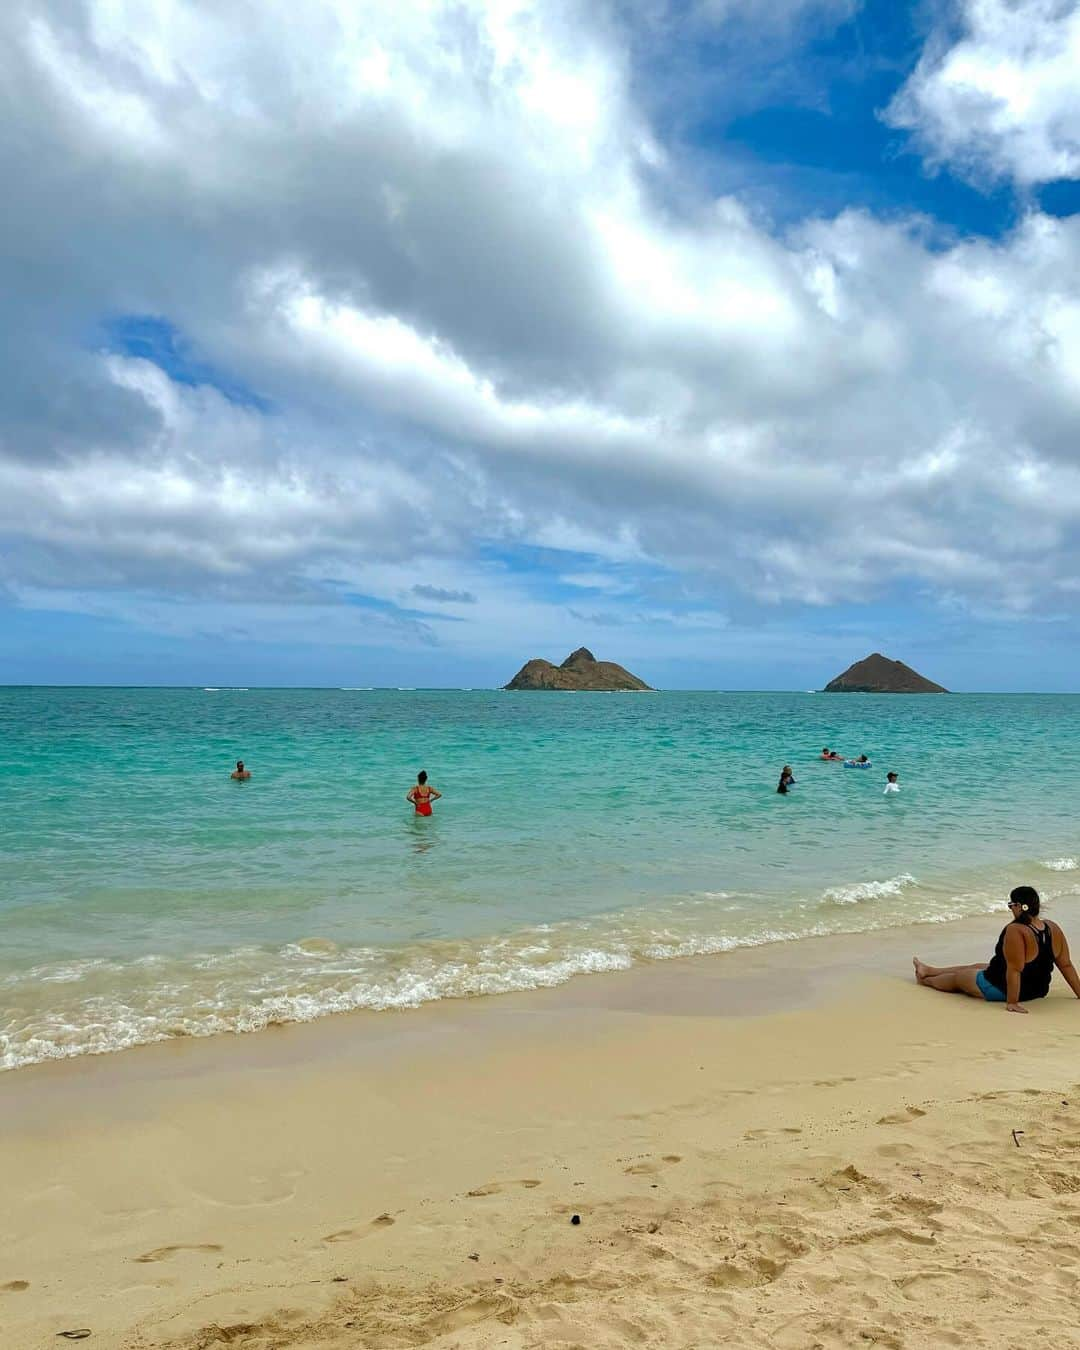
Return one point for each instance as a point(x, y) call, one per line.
point(581, 671)
point(877, 674)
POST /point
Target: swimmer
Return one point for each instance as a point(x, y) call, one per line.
point(787, 780)
point(861, 763)
point(830, 754)
point(891, 785)
point(1023, 962)
point(240, 774)
point(422, 795)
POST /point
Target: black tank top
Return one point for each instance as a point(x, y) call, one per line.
point(1035, 977)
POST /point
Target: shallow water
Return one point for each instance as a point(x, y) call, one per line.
point(145, 895)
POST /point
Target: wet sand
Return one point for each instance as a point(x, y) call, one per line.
point(792, 1146)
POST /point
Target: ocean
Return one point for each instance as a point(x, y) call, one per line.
point(144, 895)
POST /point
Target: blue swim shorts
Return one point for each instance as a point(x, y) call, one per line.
point(989, 991)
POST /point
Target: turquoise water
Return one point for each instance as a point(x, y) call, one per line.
point(145, 895)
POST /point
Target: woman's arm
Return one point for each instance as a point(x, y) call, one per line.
point(1015, 960)
point(434, 793)
point(1063, 961)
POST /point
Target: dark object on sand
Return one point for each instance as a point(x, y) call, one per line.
point(575, 1218)
point(581, 670)
point(877, 674)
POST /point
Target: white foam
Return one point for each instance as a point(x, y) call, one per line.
point(868, 890)
point(1062, 864)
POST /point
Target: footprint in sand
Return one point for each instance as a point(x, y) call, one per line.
point(943, 1282)
point(345, 1234)
point(651, 1167)
point(14, 1286)
point(909, 1113)
point(772, 1134)
point(163, 1253)
point(497, 1187)
point(746, 1273)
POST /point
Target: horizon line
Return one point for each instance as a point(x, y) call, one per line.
point(499, 689)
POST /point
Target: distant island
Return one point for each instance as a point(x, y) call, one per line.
point(581, 670)
point(878, 675)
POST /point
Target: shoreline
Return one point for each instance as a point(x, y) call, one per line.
point(626, 958)
point(410, 1180)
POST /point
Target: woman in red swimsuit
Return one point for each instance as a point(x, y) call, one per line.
point(421, 795)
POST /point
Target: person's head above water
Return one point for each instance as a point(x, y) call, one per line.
point(240, 766)
point(824, 749)
point(1024, 902)
point(421, 777)
point(892, 777)
point(863, 759)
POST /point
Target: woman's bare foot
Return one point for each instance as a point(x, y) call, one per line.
point(920, 969)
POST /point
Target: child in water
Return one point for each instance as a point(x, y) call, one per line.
point(891, 785)
point(787, 779)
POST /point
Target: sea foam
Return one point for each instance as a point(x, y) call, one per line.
point(868, 890)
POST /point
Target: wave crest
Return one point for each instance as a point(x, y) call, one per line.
point(868, 890)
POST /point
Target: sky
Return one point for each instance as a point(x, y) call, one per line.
point(396, 342)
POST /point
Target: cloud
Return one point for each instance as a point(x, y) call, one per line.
point(1000, 99)
point(769, 15)
point(476, 303)
point(444, 597)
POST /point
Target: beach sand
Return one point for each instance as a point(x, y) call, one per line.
point(791, 1146)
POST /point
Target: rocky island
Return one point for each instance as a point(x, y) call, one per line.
point(581, 670)
point(876, 674)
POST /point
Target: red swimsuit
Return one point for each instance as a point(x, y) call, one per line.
point(422, 804)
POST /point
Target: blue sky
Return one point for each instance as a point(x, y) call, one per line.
point(731, 342)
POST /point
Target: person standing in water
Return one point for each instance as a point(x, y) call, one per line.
point(240, 774)
point(787, 779)
point(891, 785)
point(422, 795)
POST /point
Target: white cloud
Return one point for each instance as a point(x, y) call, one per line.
point(439, 242)
point(1002, 99)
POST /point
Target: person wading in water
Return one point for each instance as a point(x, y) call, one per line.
point(422, 795)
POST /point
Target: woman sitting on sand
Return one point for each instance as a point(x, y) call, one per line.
point(1024, 959)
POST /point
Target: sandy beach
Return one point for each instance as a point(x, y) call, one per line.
point(791, 1146)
